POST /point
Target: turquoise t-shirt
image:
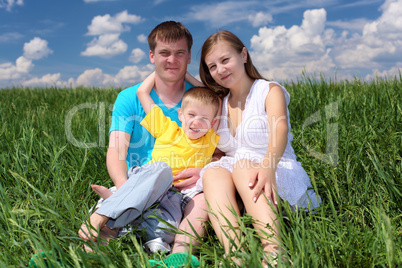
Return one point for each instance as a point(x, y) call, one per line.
point(127, 115)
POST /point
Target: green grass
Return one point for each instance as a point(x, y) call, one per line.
point(45, 179)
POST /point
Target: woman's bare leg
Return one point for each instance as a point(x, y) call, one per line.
point(261, 210)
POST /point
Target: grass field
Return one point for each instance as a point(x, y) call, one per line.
point(347, 135)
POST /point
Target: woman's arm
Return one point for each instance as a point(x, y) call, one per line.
point(144, 91)
point(275, 107)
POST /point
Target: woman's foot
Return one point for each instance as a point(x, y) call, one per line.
point(102, 191)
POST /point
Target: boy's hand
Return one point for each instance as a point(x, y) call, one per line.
point(191, 79)
point(192, 175)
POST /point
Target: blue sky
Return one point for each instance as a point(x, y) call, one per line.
point(103, 42)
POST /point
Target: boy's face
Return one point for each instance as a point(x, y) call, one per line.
point(197, 119)
point(170, 59)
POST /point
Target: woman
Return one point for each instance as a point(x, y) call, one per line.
point(259, 162)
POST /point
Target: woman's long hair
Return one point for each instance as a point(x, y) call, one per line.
point(233, 41)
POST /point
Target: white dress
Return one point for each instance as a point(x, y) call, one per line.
point(251, 142)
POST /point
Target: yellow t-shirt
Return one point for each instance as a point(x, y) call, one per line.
point(174, 147)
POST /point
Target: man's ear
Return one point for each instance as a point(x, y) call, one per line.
point(189, 57)
point(151, 56)
point(179, 111)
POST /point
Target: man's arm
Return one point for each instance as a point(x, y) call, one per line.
point(116, 157)
point(144, 91)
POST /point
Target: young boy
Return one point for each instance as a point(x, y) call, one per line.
point(194, 143)
point(176, 148)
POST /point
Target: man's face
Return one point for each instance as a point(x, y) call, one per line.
point(170, 60)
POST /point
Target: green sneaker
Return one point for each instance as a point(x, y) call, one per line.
point(41, 258)
point(177, 260)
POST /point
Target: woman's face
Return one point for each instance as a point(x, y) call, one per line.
point(226, 65)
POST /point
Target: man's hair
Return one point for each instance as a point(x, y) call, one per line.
point(203, 95)
point(169, 31)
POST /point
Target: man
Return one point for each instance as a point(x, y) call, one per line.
point(131, 145)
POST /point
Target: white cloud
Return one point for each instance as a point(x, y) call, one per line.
point(36, 49)
point(258, 13)
point(129, 75)
point(33, 50)
point(133, 74)
point(92, 77)
point(106, 45)
point(393, 71)
point(314, 21)
point(355, 25)
point(9, 4)
point(48, 80)
point(142, 38)
point(380, 43)
point(260, 19)
point(221, 14)
point(279, 52)
point(136, 55)
point(9, 71)
point(108, 28)
point(8, 37)
point(112, 24)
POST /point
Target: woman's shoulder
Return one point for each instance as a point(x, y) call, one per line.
point(261, 87)
point(265, 83)
point(264, 86)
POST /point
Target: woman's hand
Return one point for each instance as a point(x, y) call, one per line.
point(264, 182)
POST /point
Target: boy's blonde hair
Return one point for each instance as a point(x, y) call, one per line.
point(203, 95)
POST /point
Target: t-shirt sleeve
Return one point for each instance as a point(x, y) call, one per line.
point(156, 122)
point(124, 113)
